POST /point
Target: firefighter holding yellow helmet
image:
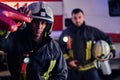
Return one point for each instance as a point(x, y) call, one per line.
point(77, 41)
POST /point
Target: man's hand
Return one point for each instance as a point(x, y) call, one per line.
point(111, 55)
point(73, 63)
point(24, 10)
point(27, 12)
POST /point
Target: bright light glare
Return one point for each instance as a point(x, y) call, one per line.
point(65, 39)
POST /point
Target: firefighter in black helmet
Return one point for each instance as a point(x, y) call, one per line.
point(32, 53)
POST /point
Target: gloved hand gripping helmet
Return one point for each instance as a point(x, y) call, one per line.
point(40, 10)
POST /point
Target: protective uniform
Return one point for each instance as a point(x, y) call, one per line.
point(44, 61)
point(76, 44)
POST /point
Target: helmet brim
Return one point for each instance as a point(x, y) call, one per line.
point(47, 19)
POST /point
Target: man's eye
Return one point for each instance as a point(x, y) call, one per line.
point(43, 22)
point(75, 18)
point(79, 17)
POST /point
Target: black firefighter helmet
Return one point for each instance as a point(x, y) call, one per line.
point(41, 10)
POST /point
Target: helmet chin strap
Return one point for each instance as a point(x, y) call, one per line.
point(47, 30)
point(45, 35)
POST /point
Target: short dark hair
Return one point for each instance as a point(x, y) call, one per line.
point(77, 10)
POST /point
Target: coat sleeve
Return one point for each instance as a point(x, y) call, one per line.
point(60, 70)
point(63, 47)
point(101, 35)
point(6, 45)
